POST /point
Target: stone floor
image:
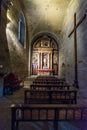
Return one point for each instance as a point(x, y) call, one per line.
point(5, 114)
point(17, 97)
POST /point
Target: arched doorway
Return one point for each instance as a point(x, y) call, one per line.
point(45, 56)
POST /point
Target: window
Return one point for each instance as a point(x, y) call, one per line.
point(22, 30)
point(0, 9)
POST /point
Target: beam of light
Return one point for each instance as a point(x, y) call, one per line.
point(9, 16)
point(12, 39)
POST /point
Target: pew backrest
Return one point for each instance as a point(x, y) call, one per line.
point(49, 86)
point(49, 96)
point(46, 112)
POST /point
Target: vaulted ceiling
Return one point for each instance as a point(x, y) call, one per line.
point(48, 12)
point(44, 14)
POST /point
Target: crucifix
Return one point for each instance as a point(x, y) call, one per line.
point(0, 9)
point(76, 25)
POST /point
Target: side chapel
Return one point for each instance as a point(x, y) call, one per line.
point(45, 56)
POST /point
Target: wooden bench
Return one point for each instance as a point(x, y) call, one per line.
point(49, 86)
point(46, 112)
point(48, 82)
point(49, 96)
point(49, 78)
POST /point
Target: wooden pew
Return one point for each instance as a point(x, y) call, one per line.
point(48, 82)
point(49, 96)
point(49, 78)
point(46, 112)
point(49, 86)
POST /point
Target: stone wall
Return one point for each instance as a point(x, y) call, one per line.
point(4, 51)
point(13, 56)
point(67, 48)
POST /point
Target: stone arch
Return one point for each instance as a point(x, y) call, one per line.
point(55, 51)
point(35, 37)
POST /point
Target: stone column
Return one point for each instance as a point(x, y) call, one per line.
point(41, 60)
point(38, 60)
point(51, 60)
point(48, 61)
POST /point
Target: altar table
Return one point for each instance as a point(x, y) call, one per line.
point(45, 71)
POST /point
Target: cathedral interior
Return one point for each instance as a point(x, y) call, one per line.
point(42, 38)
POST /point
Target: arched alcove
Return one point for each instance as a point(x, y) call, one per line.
point(44, 54)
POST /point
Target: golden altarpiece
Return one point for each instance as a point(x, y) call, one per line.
point(45, 57)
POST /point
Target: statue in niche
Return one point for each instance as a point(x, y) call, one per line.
point(45, 61)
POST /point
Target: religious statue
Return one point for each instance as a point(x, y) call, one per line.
point(45, 62)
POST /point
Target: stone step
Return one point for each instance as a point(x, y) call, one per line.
point(28, 81)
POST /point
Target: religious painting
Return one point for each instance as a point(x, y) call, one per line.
point(45, 43)
point(55, 59)
point(35, 58)
point(55, 62)
point(34, 63)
